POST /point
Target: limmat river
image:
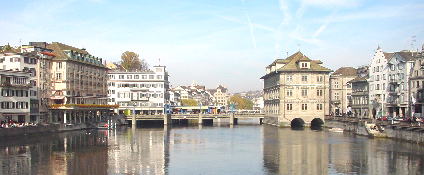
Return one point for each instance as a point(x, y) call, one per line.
point(241, 149)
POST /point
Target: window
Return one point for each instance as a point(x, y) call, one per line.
point(320, 78)
point(377, 87)
point(336, 95)
point(289, 107)
point(304, 92)
point(336, 84)
point(129, 76)
point(319, 92)
point(304, 78)
point(304, 65)
point(289, 78)
point(144, 77)
point(378, 78)
point(58, 76)
point(319, 107)
point(136, 76)
point(304, 107)
point(151, 76)
point(59, 65)
point(159, 77)
point(121, 77)
point(289, 93)
point(384, 76)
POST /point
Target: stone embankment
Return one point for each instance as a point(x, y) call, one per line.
point(401, 131)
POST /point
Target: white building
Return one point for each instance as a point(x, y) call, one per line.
point(378, 81)
point(400, 66)
point(258, 103)
point(37, 62)
point(145, 92)
point(15, 98)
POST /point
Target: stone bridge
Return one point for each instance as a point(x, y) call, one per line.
point(199, 118)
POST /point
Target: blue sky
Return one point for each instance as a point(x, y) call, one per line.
point(225, 42)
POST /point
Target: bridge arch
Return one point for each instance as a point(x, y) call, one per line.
point(297, 123)
point(317, 123)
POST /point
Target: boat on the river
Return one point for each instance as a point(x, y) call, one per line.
point(336, 130)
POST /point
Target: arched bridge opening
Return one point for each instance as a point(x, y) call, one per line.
point(297, 123)
point(317, 123)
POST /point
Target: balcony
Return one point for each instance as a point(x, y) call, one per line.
point(394, 81)
point(8, 84)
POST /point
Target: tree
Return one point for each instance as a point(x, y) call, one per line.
point(240, 102)
point(131, 61)
point(188, 102)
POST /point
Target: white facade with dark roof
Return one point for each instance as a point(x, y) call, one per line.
point(146, 92)
point(14, 97)
point(378, 81)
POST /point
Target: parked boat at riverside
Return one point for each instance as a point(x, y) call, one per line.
point(336, 130)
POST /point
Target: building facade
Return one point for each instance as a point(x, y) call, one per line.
point(15, 98)
point(400, 66)
point(416, 85)
point(37, 62)
point(79, 85)
point(220, 96)
point(145, 92)
point(360, 93)
point(378, 81)
point(295, 88)
point(341, 90)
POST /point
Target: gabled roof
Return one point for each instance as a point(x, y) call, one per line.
point(292, 64)
point(359, 79)
point(58, 49)
point(388, 55)
point(345, 71)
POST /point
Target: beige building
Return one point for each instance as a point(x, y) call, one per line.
point(341, 90)
point(296, 91)
point(79, 83)
point(220, 96)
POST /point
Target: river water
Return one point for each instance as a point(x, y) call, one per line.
point(242, 149)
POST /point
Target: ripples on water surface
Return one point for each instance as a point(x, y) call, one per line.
point(243, 149)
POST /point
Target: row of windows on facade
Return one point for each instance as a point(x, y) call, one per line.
point(360, 100)
point(145, 104)
point(289, 78)
point(80, 68)
point(304, 92)
point(15, 93)
point(139, 95)
point(336, 85)
point(137, 77)
point(304, 107)
point(135, 85)
point(16, 80)
point(14, 105)
point(18, 59)
point(392, 77)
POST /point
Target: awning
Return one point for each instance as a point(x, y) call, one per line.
point(57, 97)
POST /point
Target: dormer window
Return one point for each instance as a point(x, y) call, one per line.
point(304, 65)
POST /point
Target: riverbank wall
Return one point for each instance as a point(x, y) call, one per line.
point(40, 129)
point(414, 134)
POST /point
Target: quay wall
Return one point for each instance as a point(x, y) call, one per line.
point(410, 134)
point(51, 128)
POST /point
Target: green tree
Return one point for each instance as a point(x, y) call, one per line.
point(131, 61)
point(240, 102)
point(188, 102)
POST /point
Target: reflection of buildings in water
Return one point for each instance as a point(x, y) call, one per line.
point(15, 160)
point(294, 152)
point(339, 155)
point(139, 152)
point(84, 153)
point(395, 157)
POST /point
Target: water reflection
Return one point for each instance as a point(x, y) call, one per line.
point(208, 150)
point(314, 152)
